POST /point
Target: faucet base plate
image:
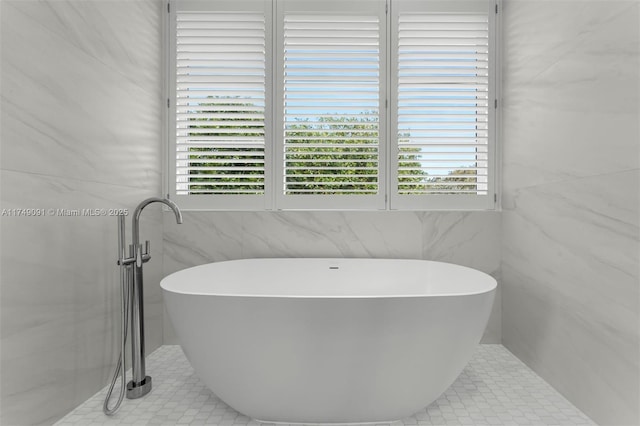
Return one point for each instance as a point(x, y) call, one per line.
point(138, 390)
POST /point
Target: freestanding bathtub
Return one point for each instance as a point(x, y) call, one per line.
point(328, 340)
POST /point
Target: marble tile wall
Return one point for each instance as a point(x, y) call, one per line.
point(81, 124)
point(570, 225)
point(466, 238)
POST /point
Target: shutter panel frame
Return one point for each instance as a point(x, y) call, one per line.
point(303, 25)
point(200, 67)
point(434, 112)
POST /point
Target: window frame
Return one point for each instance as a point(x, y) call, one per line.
point(387, 198)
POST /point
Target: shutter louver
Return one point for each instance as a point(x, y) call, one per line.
point(220, 103)
point(331, 92)
point(443, 104)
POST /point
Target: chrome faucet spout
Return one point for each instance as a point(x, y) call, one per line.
point(136, 215)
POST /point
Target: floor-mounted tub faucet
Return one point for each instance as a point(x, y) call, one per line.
point(133, 306)
point(140, 383)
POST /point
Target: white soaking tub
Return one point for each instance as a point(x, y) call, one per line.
point(328, 340)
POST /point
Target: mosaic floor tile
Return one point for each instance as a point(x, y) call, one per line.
point(495, 388)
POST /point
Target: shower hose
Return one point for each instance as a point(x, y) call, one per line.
point(125, 289)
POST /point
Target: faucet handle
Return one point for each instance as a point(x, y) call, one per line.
point(126, 261)
point(138, 256)
point(147, 249)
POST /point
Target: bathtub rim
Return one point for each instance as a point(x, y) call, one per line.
point(168, 287)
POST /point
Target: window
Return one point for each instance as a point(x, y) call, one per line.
point(339, 104)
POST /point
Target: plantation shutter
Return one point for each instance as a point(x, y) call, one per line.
point(220, 106)
point(444, 104)
point(330, 99)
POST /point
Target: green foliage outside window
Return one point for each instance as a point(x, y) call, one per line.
point(311, 167)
